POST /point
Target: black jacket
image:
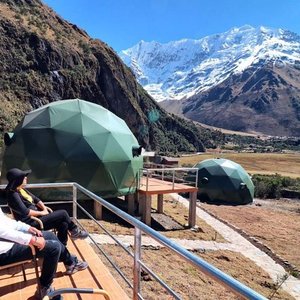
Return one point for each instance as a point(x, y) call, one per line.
point(20, 206)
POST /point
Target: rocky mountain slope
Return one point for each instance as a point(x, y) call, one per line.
point(261, 99)
point(244, 79)
point(45, 58)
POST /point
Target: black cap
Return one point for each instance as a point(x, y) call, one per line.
point(15, 178)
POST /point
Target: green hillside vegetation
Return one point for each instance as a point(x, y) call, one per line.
point(214, 138)
point(45, 58)
point(271, 186)
point(258, 144)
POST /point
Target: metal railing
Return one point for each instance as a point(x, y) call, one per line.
point(227, 281)
point(187, 176)
point(77, 291)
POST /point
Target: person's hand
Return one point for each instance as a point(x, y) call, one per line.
point(44, 212)
point(35, 231)
point(38, 242)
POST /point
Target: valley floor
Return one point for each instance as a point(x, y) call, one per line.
point(285, 164)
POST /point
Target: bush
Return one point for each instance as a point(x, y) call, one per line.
point(270, 186)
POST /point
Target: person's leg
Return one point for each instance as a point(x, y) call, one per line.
point(15, 254)
point(64, 217)
point(51, 254)
point(59, 220)
point(70, 261)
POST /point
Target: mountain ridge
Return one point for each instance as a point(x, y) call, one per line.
point(198, 73)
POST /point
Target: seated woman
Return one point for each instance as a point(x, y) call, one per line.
point(24, 205)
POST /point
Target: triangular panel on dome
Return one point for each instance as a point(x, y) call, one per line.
point(98, 143)
point(94, 111)
point(72, 124)
point(37, 119)
point(111, 154)
point(124, 175)
point(116, 125)
point(59, 116)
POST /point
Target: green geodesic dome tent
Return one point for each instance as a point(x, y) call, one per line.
point(75, 141)
point(224, 181)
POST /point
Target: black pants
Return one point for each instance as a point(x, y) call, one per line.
point(53, 252)
point(60, 221)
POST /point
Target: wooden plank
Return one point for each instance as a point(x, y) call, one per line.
point(166, 222)
point(100, 273)
point(95, 276)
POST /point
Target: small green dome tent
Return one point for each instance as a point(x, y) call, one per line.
point(224, 181)
point(75, 141)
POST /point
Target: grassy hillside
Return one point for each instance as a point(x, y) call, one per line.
point(255, 163)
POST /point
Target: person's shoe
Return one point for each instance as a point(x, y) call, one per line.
point(44, 291)
point(78, 234)
point(76, 266)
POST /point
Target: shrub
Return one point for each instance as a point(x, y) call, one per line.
point(270, 186)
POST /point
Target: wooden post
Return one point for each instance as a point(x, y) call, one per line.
point(192, 209)
point(141, 200)
point(130, 203)
point(160, 203)
point(147, 210)
point(98, 210)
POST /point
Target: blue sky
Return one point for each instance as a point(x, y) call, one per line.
point(123, 23)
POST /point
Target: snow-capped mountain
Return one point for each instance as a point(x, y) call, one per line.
point(181, 69)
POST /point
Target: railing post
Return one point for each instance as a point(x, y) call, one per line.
point(74, 188)
point(137, 265)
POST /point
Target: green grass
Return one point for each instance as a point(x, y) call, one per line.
point(285, 164)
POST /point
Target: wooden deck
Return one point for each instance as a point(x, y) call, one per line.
point(153, 186)
point(13, 287)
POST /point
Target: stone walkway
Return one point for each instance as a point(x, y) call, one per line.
point(235, 243)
